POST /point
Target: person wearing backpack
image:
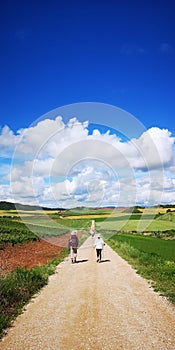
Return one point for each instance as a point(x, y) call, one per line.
point(73, 245)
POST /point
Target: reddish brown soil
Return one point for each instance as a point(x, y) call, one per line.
point(31, 254)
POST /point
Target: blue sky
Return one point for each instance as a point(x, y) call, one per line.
point(118, 53)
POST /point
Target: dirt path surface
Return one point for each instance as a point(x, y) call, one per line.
point(94, 306)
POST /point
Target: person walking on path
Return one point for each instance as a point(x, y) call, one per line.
point(73, 246)
point(99, 243)
point(92, 229)
point(92, 233)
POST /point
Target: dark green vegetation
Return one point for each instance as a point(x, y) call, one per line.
point(13, 206)
point(133, 210)
point(160, 247)
point(15, 231)
point(153, 258)
point(18, 287)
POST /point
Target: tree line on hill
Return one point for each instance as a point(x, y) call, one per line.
point(17, 206)
point(4, 205)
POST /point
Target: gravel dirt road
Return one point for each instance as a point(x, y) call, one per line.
point(94, 306)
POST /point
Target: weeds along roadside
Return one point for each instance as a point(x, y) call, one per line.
point(17, 288)
point(158, 270)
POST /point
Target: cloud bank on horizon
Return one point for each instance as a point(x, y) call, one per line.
point(58, 164)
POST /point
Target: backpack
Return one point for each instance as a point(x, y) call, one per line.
point(73, 241)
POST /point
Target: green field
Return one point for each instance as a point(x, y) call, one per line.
point(37, 224)
point(152, 257)
point(150, 220)
point(12, 231)
point(138, 223)
point(160, 247)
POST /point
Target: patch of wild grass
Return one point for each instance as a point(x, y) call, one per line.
point(152, 266)
point(18, 287)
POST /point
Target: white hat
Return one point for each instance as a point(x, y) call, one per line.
point(73, 233)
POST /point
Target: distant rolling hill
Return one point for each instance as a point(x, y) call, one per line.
point(12, 206)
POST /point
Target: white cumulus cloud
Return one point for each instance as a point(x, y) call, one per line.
point(63, 165)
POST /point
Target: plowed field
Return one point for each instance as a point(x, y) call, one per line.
point(31, 254)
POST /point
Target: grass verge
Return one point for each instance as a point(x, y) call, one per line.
point(152, 266)
point(17, 288)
